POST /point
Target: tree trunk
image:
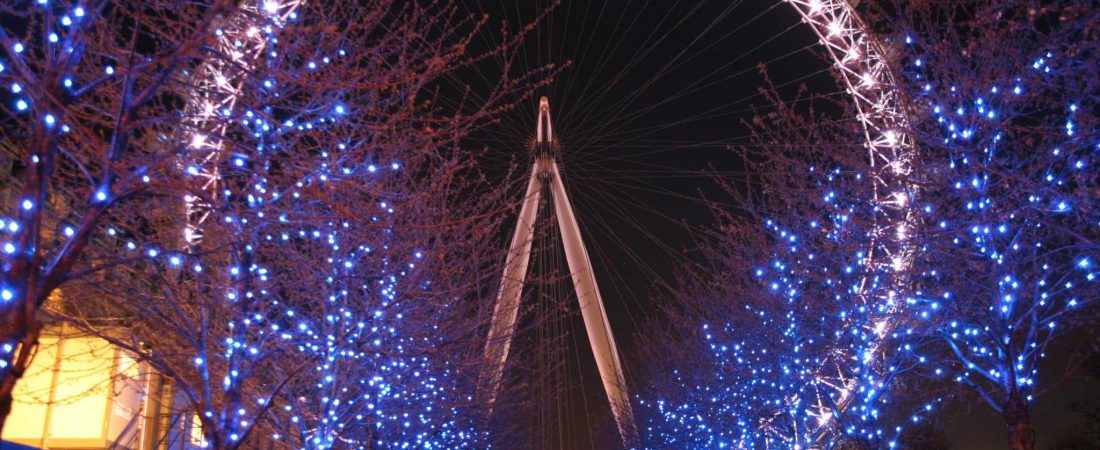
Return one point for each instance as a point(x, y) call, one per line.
point(25, 341)
point(1018, 423)
point(213, 439)
point(16, 367)
point(6, 388)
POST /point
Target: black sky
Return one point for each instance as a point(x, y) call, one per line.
point(651, 94)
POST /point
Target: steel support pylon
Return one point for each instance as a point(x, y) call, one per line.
point(545, 170)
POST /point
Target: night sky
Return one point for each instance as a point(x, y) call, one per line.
point(651, 94)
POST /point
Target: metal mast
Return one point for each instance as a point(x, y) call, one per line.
point(545, 170)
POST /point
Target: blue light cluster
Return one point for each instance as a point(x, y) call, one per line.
point(805, 350)
point(292, 311)
point(1003, 237)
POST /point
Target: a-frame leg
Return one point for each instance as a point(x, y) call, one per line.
point(503, 325)
point(592, 310)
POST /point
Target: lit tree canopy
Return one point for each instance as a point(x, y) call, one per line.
point(264, 201)
point(1002, 117)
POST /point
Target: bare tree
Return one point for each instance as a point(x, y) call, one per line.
point(1004, 103)
point(335, 167)
point(91, 98)
point(1003, 120)
point(787, 323)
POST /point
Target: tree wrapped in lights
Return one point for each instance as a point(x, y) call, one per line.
point(1003, 122)
point(86, 111)
point(1004, 97)
point(334, 167)
point(794, 332)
